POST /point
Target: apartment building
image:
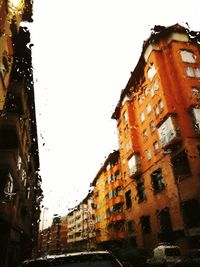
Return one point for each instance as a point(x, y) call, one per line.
point(89, 234)
point(158, 121)
point(53, 240)
point(20, 191)
point(44, 241)
point(108, 200)
point(75, 227)
point(81, 222)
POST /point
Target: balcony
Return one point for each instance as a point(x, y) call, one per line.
point(134, 166)
point(196, 118)
point(113, 185)
point(97, 225)
point(115, 200)
point(116, 217)
point(169, 133)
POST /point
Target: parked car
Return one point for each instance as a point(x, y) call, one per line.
point(191, 259)
point(165, 254)
point(78, 259)
point(131, 256)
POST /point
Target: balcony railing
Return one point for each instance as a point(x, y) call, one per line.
point(116, 217)
point(136, 170)
point(134, 165)
point(170, 138)
point(115, 200)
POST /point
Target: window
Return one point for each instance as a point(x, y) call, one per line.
point(165, 221)
point(4, 64)
point(126, 131)
point(152, 91)
point(134, 164)
point(156, 85)
point(196, 118)
point(19, 163)
point(161, 105)
point(118, 208)
point(157, 181)
point(116, 175)
point(145, 224)
point(142, 117)
point(28, 193)
point(108, 166)
point(131, 227)
point(140, 191)
point(139, 101)
point(191, 213)
point(187, 56)
point(8, 189)
point(151, 72)
point(148, 154)
point(180, 165)
point(128, 146)
point(196, 92)
point(152, 126)
point(145, 135)
point(167, 131)
point(156, 147)
point(193, 72)
point(190, 72)
point(156, 110)
point(125, 117)
point(146, 91)
point(24, 175)
point(128, 199)
point(197, 72)
point(154, 88)
point(148, 108)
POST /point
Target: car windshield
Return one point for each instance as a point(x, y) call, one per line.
point(172, 252)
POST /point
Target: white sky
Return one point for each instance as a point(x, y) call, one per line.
point(84, 51)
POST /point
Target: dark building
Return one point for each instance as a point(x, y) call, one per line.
point(20, 182)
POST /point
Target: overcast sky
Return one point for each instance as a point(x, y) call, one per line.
point(84, 51)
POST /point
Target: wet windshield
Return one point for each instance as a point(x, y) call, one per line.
point(99, 128)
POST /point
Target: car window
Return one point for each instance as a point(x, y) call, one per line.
point(172, 252)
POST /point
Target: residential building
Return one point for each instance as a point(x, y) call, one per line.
point(88, 233)
point(158, 121)
point(53, 240)
point(81, 225)
point(20, 191)
point(108, 200)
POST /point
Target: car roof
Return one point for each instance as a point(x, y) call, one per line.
point(78, 254)
point(72, 254)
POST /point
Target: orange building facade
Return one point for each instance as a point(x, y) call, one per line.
point(108, 201)
point(158, 121)
point(53, 240)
